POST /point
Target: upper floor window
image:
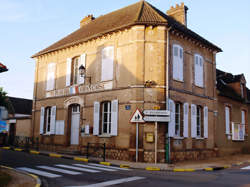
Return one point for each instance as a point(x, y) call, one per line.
point(198, 70)
point(242, 90)
point(107, 63)
point(75, 70)
point(51, 76)
point(227, 119)
point(177, 62)
point(72, 70)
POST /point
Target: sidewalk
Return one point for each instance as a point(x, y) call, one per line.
point(208, 165)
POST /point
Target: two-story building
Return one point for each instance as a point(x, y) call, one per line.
point(134, 57)
point(233, 114)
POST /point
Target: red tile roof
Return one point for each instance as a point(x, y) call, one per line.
point(3, 68)
point(139, 13)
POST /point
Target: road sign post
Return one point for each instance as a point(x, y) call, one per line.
point(137, 118)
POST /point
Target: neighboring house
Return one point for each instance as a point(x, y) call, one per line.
point(19, 122)
point(134, 57)
point(233, 113)
point(3, 68)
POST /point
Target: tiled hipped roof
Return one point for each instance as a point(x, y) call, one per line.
point(224, 79)
point(139, 13)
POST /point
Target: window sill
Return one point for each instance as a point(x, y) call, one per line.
point(178, 138)
point(201, 87)
point(200, 138)
point(181, 81)
point(104, 136)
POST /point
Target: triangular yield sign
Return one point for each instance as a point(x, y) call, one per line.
point(137, 117)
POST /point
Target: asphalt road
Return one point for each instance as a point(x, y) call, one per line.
point(58, 172)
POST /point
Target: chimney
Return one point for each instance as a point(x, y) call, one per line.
point(179, 13)
point(86, 20)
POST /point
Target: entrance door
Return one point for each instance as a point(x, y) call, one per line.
point(75, 122)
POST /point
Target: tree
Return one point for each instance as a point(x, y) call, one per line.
point(4, 101)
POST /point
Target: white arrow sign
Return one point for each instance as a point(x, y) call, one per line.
point(157, 118)
point(156, 112)
point(137, 117)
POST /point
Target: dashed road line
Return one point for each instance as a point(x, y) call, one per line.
point(111, 167)
point(59, 170)
point(39, 172)
point(94, 167)
point(77, 168)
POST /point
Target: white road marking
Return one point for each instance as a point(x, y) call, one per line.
point(248, 167)
point(60, 170)
point(112, 182)
point(77, 168)
point(94, 167)
point(111, 167)
point(39, 172)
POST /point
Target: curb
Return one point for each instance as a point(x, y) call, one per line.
point(150, 168)
point(35, 177)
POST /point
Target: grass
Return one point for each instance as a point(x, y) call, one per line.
point(4, 179)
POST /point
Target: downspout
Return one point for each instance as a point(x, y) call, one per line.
point(34, 100)
point(167, 95)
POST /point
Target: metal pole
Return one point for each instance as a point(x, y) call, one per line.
point(137, 134)
point(156, 124)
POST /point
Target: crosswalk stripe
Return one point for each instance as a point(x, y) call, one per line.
point(94, 167)
point(77, 168)
point(39, 172)
point(113, 182)
point(248, 167)
point(111, 167)
point(59, 170)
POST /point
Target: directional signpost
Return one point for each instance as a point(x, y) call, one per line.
point(156, 116)
point(137, 118)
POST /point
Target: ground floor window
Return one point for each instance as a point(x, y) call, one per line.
point(199, 122)
point(47, 120)
point(178, 120)
point(106, 117)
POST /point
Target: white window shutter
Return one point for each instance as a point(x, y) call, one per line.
point(185, 119)
point(205, 111)
point(107, 63)
point(227, 117)
point(68, 71)
point(96, 118)
point(193, 121)
point(201, 71)
point(171, 124)
point(82, 62)
point(114, 117)
point(50, 76)
point(180, 64)
point(53, 120)
point(41, 120)
point(196, 70)
point(175, 62)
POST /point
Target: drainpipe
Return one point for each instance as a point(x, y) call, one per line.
point(167, 97)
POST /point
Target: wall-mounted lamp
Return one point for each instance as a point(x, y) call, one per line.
point(149, 83)
point(82, 72)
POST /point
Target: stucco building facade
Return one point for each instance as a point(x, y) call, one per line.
point(135, 57)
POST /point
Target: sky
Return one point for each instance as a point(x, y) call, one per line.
point(28, 26)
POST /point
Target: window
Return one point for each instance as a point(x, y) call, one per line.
point(242, 90)
point(48, 120)
point(106, 117)
point(107, 63)
point(48, 114)
point(198, 70)
point(51, 76)
point(199, 121)
point(177, 62)
point(178, 120)
point(227, 119)
point(74, 70)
